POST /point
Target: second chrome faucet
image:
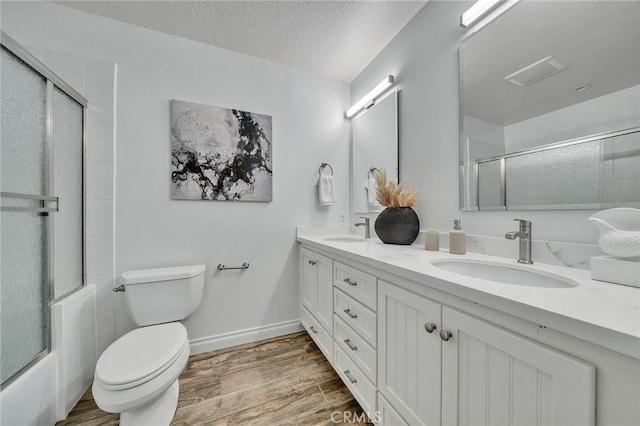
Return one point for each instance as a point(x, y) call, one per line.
point(524, 233)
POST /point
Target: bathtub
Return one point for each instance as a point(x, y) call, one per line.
point(47, 391)
point(32, 399)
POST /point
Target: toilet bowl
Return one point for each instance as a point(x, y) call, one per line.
point(134, 372)
point(137, 375)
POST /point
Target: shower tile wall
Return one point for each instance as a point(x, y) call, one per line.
point(95, 80)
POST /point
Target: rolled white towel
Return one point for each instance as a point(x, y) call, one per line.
point(372, 196)
point(325, 190)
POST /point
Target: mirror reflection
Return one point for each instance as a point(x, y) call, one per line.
point(550, 108)
point(375, 147)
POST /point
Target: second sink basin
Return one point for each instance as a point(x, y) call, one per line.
point(510, 274)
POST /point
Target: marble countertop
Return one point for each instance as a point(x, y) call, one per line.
point(603, 313)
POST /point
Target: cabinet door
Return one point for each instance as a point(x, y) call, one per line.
point(386, 415)
point(409, 357)
point(324, 294)
point(493, 377)
point(308, 279)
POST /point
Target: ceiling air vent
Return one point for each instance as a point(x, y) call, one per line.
point(536, 72)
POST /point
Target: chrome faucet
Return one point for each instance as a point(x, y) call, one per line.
point(524, 233)
point(367, 223)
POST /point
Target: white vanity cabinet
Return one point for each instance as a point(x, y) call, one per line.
point(316, 299)
point(440, 366)
point(498, 361)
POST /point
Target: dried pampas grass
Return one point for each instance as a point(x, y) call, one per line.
point(391, 195)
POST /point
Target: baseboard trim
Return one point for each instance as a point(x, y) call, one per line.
point(234, 338)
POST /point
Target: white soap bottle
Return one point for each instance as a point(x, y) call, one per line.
point(457, 239)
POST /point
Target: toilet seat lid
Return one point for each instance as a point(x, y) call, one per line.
point(141, 354)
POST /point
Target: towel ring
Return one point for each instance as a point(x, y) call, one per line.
point(322, 166)
point(372, 170)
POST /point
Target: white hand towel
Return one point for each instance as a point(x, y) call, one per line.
point(372, 195)
point(325, 190)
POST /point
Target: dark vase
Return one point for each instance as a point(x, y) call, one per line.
point(397, 225)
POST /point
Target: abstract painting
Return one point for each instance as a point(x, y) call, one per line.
point(219, 153)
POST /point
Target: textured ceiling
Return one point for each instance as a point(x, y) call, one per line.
point(336, 39)
point(598, 40)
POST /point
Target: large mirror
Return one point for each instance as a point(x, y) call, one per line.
point(550, 108)
point(375, 147)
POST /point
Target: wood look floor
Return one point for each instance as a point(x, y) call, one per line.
point(280, 381)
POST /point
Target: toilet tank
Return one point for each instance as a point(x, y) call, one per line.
point(155, 296)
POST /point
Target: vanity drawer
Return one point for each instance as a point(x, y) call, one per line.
point(356, 381)
point(356, 283)
point(357, 316)
point(317, 333)
point(360, 352)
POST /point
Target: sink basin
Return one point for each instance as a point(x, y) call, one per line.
point(509, 274)
point(344, 238)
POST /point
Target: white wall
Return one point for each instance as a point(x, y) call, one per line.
point(151, 229)
point(424, 59)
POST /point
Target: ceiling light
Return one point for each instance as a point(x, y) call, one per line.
point(369, 98)
point(479, 10)
point(536, 72)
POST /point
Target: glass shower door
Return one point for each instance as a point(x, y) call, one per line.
point(24, 220)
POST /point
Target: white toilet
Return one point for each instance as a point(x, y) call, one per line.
point(137, 375)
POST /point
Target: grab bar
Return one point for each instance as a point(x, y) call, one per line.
point(222, 267)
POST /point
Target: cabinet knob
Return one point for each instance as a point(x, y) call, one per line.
point(350, 345)
point(445, 335)
point(350, 377)
point(313, 330)
point(429, 327)
point(312, 262)
point(351, 315)
point(351, 283)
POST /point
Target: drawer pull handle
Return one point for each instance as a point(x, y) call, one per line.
point(351, 315)
point(429, 327)
point(312, 262)
point(313, 330)
point(351, 283)
point(350, 345)
point(350, 377)
point(445, 335)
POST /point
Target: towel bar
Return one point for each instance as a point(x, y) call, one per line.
point(222, 267)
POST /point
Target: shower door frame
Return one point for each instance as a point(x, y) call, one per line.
point(52, 81)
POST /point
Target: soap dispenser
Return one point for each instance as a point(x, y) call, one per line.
point(457, 239)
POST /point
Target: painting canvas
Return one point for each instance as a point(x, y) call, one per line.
point(219, 153)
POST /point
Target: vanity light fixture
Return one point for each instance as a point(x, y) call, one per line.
point(369, 99)
point(479, 10)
